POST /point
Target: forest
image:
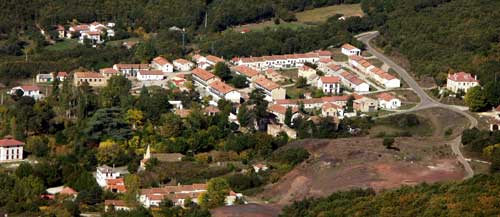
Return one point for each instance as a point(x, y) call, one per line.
point(477, 196)
point(442, 36)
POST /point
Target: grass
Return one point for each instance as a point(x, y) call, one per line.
point(376, 62)
point(307, 17)
point(66, 44)
point(338, 56)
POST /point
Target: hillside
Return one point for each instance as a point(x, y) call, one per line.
point(441, 36)
point(475, 197)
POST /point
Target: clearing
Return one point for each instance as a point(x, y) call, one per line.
point(307, 17)
point(66, 44)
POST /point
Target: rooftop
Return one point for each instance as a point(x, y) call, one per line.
point(88, 75)
point(10, 141)
point(329, 79)
point(267, 84)
point(203, 74)
point(386, 96)
point(161, 61)
point(462, 77)
point(221, 87)
point(245, 70)
point(349, 47)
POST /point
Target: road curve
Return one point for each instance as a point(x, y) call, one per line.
point(425, 100)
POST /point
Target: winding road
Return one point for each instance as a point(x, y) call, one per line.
point(425, 100)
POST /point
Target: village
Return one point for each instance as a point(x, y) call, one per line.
point(350, 88)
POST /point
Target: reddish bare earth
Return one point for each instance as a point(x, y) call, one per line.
point(363, 163)
point(248, 210)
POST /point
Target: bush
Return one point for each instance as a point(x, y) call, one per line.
point(291, 156)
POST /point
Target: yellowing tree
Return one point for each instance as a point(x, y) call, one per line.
point(108, 151)
point(135, 117)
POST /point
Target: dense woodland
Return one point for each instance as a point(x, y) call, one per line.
point(475, 197)
point(441, 36)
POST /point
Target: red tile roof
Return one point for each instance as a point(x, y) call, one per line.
point(109, 71)
point(115, 203)
point(62, 74)
point(281, 109)
point(386, 97)
point(462, 77)
point(151, 72)
point(161, 61)
point(349, 46)
point(68, 191)
point(247, 71)
point(221, 87)
point(334, 67)
point(352, 78)
point(88, 75)
point(182, 61)
point(203, 74)
point(10, 141)
point(30, 87)
point(214, 59)
point(266, 83)
point(498, 109)
point(131, 66)
point(330, 105)
point(329, 79)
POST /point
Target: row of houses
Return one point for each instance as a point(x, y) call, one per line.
point(281, 61)
point(377, 74)
point(96, 32)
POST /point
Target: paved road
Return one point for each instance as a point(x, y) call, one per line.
point(425, 100)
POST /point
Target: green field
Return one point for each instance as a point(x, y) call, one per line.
point(63, 45)
point(308, 17)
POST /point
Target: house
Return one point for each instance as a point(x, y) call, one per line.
point(162, 157)
point(178, 194)
point(324, 54)
point(179, 81)
point(117, 205)
point(104, 173)
point(183, 65)
point(307, 72)
point(44, 78)
point(332, 69)
point(94, 79)
point(62, 191)
point(62, 76)
point(259, 167)
point(130, 70)
point(276, 129)
point(32, 91)
point(384, 78)
point(329, 84)
point(272, 90)
point(212, 60)
point(364, 104)
point(461, 81)
point(350, 50)
point(388, 101)
point(116, 185)
point(162, 64)
point(324, 62)
point(220, 90)
point(308, 104)
point(109, 72)
point(202, 77)
point(359, 63)
point(232, 198)
point(280, 112)
point(129, 44)
point(77, 30)
point(150, 75)
point(210, 110)
point(94, 32)
point(11, 149)
point(354, 82)
point(61, 32)
point(249, 73)
point(332, 110)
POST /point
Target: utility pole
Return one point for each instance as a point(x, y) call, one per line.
point(183, 41)
point(206, 19)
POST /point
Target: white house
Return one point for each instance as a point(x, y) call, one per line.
point(359, 63)
point(249, 73)
point(183, 65)
point(259, 167)
point(104, 173)
point(44, 78)
point(220, 90)
point(332, 110)
point(354, 82)
point(280, 112)
point(10, 149)
point(350, 50)
point(130, 70)
point(28, 90)
point(461, 81)
point(384, 78)
point(117, 205)
point(329, 84)
point(286, 61)
point(178, 194)
point(388, 101)
point(162, 64)
point(150, 75)
point(332, 69)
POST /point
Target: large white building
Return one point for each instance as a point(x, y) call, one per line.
point(377, 74)
point(28, 90)
point(350, 50)
point(183, 65)
point(10, 149)
point(150, 75)
point(278, 61)
point(130, 70)
point(461, 81)
point(220, 90)
point(178, 194)
point(105, 173)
